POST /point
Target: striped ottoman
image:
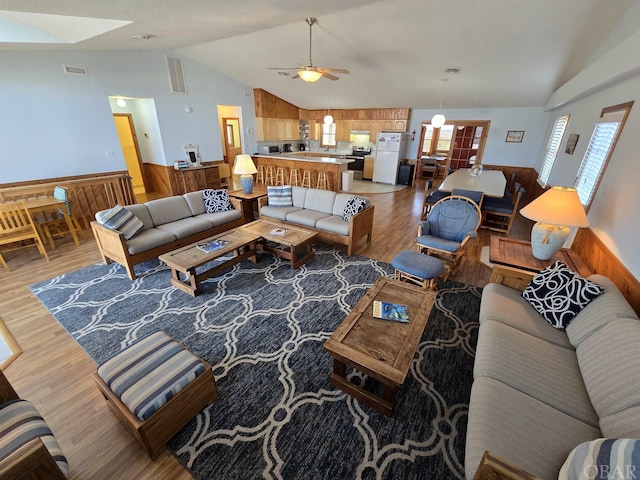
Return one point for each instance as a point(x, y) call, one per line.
point(418, 268)
point(20, 424)
point(154, 387)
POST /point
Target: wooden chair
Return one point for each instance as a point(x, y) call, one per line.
point(17, 227)
point(452, 223)
point(498, 213)
point(57, 226)
point(474, 195)
point(431, 197)
point(31, 450)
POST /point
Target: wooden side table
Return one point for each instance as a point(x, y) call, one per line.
point(249, 201)
point(515, 265)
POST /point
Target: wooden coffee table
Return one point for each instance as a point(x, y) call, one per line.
point(383, 349)
point(289, 245)
point(187, 259)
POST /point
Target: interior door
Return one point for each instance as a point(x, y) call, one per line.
point(130, 150)
point(232, 139)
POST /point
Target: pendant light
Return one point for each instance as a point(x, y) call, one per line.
point(328, 119)
point(438, 119)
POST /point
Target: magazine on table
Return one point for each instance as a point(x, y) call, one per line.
point(279, 232)
point(391, 311)
point(212, 245)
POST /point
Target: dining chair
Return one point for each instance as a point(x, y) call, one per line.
point(431, 197)
point(498, 213)
point(57, 226)
point(475, 195)
point(451, 224)
point(16, 227)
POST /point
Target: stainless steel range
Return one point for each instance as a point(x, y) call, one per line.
point(357, 155)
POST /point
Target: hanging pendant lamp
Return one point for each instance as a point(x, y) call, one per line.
point(438, 119)
point(328, 119)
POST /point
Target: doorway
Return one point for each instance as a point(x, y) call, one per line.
point(130, 150)
point(232, 139)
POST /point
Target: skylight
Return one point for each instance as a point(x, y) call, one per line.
point(27, 27)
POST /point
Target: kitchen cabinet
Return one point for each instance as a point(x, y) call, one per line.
point(277, 129)
point(367, 173)
point(399, 125)
point(364, 125)
point(343, 130)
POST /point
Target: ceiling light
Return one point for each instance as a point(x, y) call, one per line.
point(121, 103)
point(328, 119)
point(438, 119)
point(143, 36)
point(309, 75)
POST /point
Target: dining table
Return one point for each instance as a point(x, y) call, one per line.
point(49, 203)
point(490, 182)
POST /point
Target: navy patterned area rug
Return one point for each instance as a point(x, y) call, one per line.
point(262, 328)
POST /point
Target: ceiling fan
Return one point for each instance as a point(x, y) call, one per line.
point(309, 73)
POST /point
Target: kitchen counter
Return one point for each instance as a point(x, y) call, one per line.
point(333, 167)
point(302, 157)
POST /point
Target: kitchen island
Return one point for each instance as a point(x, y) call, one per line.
point(307, 161)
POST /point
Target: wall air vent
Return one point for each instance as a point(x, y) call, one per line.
point(75, 70)
point(176, 75)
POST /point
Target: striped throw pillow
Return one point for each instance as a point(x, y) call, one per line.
point(280, 196)
point(122, 220)
point(603, 458)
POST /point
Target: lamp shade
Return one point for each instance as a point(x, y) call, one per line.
point(557, 206)
point(244, 165)
point(437, 120)
point(309, 75)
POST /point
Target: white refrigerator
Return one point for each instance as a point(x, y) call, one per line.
point(390, 151)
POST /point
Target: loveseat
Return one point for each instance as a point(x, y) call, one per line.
point(323, 211)
point(167, 224)
point(539, 391)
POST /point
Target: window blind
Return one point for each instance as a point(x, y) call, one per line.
point(552, 149)
point(595, 158)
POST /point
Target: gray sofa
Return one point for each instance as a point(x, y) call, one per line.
point(169, 223)
point(321, 211)
point(539, 392)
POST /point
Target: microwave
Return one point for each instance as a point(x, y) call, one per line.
point(269, 149)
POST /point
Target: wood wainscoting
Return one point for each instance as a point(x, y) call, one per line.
point(601, 260)
point(88, 194)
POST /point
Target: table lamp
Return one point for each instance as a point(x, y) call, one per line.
point(555, 211)
point(245, 168)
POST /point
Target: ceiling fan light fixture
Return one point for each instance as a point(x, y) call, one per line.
point(309, 75)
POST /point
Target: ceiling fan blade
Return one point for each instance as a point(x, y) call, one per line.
point(329, 76)
point(334, 70)
point(295, 76)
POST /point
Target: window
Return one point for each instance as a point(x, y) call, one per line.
point(328, 134)
point(428, 136)
point(552, 149)
point(444, 139)
point(603, 140)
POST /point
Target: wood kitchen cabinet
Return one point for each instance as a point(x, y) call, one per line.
point(343, 130)
point(277, 129)
point(367, 173)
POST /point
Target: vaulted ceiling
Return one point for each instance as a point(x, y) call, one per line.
point(512, 53)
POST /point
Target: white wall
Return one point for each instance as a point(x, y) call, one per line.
point(614, 213)
point(53, 124)
point(497, 152)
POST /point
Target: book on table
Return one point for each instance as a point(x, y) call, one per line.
point(278, 232)
point(391, 311)
point(212, 245)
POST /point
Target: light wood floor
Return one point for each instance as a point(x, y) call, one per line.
point(54, 372)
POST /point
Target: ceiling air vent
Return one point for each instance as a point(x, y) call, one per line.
point(176, 75)
point(75, 70)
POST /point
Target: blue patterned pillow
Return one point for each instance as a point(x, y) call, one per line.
point(122, 220)
point(216, 200)
point(603, 458)
point(280, 196)
point(559, 294)
point(354, 205)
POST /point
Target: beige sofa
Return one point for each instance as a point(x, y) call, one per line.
point(321, 211)
point(538, 392)
point(169, 223)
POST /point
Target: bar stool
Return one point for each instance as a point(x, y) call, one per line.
point(279, 176)
point(294, 177)
point(323, 181)
point(268, 175)
point(307, 179)
point(260, 175)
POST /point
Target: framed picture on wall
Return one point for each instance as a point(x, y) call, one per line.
point(571, 143)
point(514, 136)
